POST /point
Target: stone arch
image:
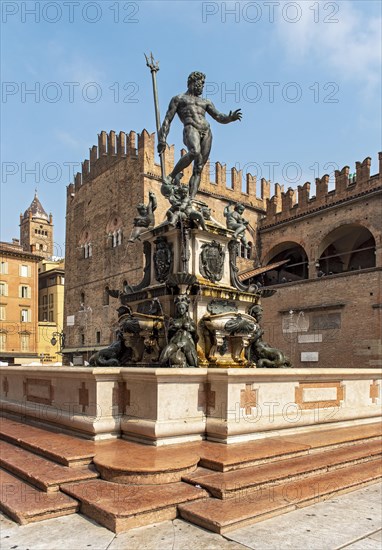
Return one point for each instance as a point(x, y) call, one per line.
point(347, 247)
point(85, 236)
point(114, 223)
point(114, 230)
point(295, 270)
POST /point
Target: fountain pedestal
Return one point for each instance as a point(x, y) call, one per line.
point(200, 265)
point(164, 406)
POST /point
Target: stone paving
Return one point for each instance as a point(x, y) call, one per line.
point(351, 521)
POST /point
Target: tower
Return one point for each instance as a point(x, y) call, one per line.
point(36, 229)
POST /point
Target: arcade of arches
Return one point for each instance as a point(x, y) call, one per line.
point(347, 248)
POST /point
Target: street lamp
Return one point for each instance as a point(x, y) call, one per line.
point(58, 337)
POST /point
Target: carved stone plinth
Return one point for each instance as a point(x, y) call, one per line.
point(165, 406)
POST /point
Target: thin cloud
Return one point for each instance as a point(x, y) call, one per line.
point(72, 66)
point(82, 71)
point(351, 46)
point(69, 141)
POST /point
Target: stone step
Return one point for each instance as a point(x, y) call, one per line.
point(61, 448)
point(126, 462)
point(222, 516)
point(120, 507)
point(39, 472)
point(229, 484)
point(25, 504)
point(220, 457)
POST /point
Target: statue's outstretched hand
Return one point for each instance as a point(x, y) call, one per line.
point(235, 115)
point(161, 147)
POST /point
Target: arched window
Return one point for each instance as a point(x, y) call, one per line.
point(245, 251)
point(86, 244)
point(114, 231)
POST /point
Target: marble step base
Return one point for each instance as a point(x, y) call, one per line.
point(252, 480)
point(223, 458)
point(234, 483)
point(222, 516)
point(61, 448)
point(121, 507)
point(40, 472)
point(26, 504)
point(130, 463)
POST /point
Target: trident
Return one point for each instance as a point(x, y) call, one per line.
point(154, 68)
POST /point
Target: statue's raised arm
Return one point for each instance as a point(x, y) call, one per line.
point(221, 117)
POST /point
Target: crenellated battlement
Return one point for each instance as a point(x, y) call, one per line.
point(140, 148)
point(110, 150)
point(284, 205)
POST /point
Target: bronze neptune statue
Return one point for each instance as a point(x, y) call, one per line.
point(197, 135)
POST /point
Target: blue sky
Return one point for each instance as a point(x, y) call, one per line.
point(319, 60)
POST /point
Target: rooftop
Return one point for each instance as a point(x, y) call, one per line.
point(36, 209)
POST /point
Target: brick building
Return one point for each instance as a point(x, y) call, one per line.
point(328, 305)
point(331, 242)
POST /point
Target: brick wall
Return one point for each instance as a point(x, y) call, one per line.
point(122, 170)
point(339, 318)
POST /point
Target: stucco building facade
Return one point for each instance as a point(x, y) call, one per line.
point(18, 304)
point(31, 291)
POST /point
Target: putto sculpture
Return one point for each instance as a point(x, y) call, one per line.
point(236, 222)
point(145, 219)
point(181, 208)
point(191, 108)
